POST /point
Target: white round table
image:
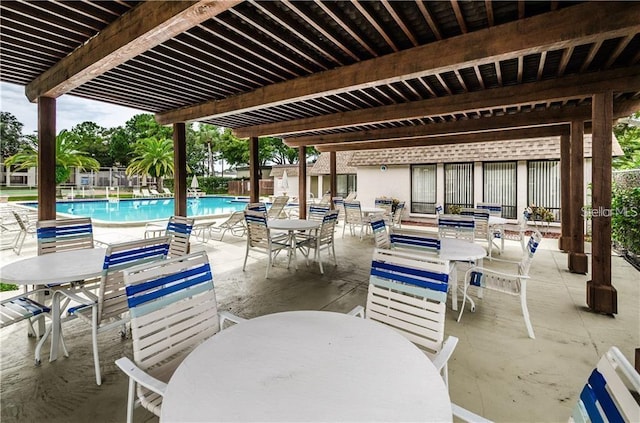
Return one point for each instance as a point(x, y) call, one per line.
point(62, 267)
point(371, 210)
point(496, 220)
point(306, 366)
point(460, 250)
point(55, 268)
point(292, 225)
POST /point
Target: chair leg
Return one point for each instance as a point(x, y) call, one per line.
point(245, 258)
point(131, 400)
point(94, 339)
point(525, 310)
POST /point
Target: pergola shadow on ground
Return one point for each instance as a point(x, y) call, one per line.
point(496, 370)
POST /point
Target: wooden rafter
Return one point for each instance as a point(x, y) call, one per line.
point(375, 24)
point(549, 90)
point(517, 120)
point(146, 26)
point(529, 36)
point(399, 22)
point(429, 19)
point(346, 27)
point(459, 17)
point(501, 135)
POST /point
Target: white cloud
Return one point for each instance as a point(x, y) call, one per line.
point(70, 110)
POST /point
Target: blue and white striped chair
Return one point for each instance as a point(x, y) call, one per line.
point(317, 212)
point(323, 238)
point(64, 235)
point(25, 306)
point(179, 230)
point(408, 292)
point(509, 283)
point(380, 233)
point(610, 393)
point(415, 241)
point(439, 209)
point(108, 309)
point(338, 204)
point(456, 226)
point(396, 221)
point(260, 207)
point(495, 209)
point(353, 218)
point(173, 309)
point(482, 230)
point(259, 238)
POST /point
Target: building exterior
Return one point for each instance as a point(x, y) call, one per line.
point(513, 173)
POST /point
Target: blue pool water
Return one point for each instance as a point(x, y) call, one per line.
point(123, 211)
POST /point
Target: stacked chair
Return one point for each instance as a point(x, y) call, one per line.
point(456, 226)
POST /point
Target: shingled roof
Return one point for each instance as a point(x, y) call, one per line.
point(321, 167)
point(529, 149)
point(278, 170)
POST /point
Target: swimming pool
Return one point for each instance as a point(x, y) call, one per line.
point(129, 211)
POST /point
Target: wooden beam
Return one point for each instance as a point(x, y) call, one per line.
point(544, 32)
point(564, 242)
point(564, 88)
point(512, 134)
point(333, 175)
point(302, 182)
point(46, 158)
point(180, 169)
point(601, 295)
point(577, 260)
point(142, 28)
point(517, 120)
point(254, 170)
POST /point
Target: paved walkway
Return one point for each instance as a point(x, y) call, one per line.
point(496, 370)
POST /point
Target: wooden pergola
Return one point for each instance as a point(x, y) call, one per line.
point(347, 76)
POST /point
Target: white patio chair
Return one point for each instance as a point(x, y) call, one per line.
point(167, 192)
point(414, 240)
point(322, 239)
point(179, 230)
point(611, 392)
point(494, 209)
point(338, 204)
point(145, 192)
point(396, 220)
point(456, 226)
point(515, 232)
point(276, 211)
point(108, 309)
point(380, 233)
point(259, 207)
point(259, 238)
point(317, 211)
point(408, 292)
point(64, 235)
point(482, 230)
point(26, 228)
point(173, 309)
point(234, 223)
point(351, 196)
point(385, 204)
point(512, 283)
point(353, 218)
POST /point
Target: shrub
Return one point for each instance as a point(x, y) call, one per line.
point(625, 227)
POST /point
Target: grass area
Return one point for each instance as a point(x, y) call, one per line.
point(8, 287)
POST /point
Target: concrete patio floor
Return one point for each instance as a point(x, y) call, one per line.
point(496, 370)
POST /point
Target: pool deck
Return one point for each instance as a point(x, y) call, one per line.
point(495, 371)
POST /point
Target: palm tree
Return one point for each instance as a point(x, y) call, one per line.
point(66, 157)
point(154, 158)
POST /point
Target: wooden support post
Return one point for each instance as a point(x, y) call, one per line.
point(601, 295)
point(180, 169)
point(564, 242)
point(302, 181)
point(254, 170)
point(577, 260)
point(333, 166)
point(46, 158)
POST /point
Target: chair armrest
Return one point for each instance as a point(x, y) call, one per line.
point(140, 376)
point(77, 298)
point(225, 315)
point(494, 272)
point(505, 261)
point(466, 415)
point(357, 311)
point(445, 353)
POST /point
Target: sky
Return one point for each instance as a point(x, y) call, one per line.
point(70, 110)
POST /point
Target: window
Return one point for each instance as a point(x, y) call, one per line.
point(544, 185)
point(499, 186)
point(458, 183)
point(345, 184)
point(423, 188)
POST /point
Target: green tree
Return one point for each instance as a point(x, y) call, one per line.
point(120, 147)
point(144, 125)
point(196, 152)
point(628, 135)
point(67, 156)
point(10, 134)
point(210, 137)
point(154, 157)
point(92, 139)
